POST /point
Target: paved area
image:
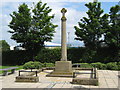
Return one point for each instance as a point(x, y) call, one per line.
point(107, 79)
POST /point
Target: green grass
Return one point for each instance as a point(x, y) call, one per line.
point(2, 67)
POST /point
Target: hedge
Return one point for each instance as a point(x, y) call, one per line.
point(76, 55)
point(15, 57)
point(48, 55)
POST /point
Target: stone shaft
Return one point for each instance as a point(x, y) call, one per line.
point(63, 36)
point(63, 40)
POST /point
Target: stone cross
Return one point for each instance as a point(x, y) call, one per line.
point(63, 68)
point(63, 36)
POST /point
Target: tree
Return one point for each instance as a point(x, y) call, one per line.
point(112, 35)
point(32, 29)
point(4, 46)
point(90, 29)
point(20, 24)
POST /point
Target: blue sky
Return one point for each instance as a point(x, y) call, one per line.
point(75, 11)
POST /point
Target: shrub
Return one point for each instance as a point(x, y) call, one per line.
point(99, 65)
point(37, 65)
point(49, 64)
point(118, 65)
point(112, 66)
point(85, 65)
point(32, 65)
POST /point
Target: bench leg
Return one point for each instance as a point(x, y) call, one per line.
point(5, 73)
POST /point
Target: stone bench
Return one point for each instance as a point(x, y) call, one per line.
point(27, 79)
point(92, 80)
point(31, 76)
point(5, 71)
point(28, 72)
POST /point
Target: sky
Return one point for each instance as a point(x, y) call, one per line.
point(76, 10)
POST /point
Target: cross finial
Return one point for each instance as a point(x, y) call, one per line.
point(95, 1)
point(63, 11)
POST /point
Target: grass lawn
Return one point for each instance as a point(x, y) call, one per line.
point(2, 67)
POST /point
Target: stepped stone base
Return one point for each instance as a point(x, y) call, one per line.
point(62, 69)
point(27, 79)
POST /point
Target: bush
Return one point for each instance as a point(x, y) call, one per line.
point(49, 64)
point(37, 65)
point(32, 65)
point(84, 65)
point(99, 65)
point(118, 65)
point(112, 66)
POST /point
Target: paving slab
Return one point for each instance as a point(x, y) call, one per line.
point(58, 85)
point(108, 79)
point(67, 86)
